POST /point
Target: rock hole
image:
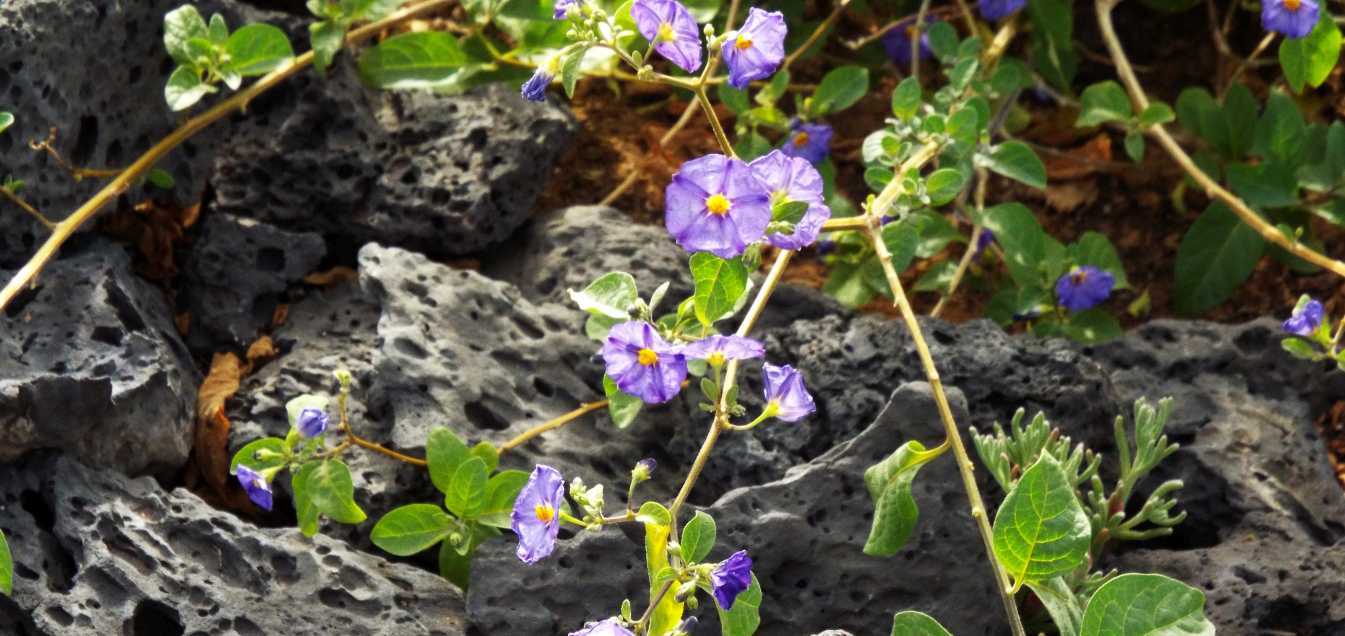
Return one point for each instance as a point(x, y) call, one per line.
point(153, 618)
point(482, 417)
point(85, 141)
point(271, 259)
point(111, 336)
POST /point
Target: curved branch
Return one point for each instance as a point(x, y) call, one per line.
point(1212, 189)
point(238, 102)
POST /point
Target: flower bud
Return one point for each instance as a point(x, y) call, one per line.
point(643, 470)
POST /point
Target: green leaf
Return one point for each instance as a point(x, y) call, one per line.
point(846, 284)
point(1041, 531)
point(889, 484)
point(906, 99)
point(623, 407)
point(1300, 348)
point(745, 616)
point(901, 239)
point(257, 49)
point(305, 509)
point(1199, 113)
point(840, 89)
point(1157, 113)
point(1015, 160)
point(773, 90)
point(1217, 254)
point(6, 120)
point(1093, 248)
point(6, 567)
point(1281, 132)
point(789, 211)
point(657, 528)
point(1146, 605)
point(1053, 41)
point(466, 496)
point(1061, 603)
point(247, 454)
point(501, 491)
point(1020, 237)
point(218, 30)
point(444, 452)
point(1309, 60)
point(179, 26)
point(703, 10)
point(912, 623)
point(942, 40)
point(1240, 111)
point(412, 528)
point(736, 100)
point(1092, 326)
point(570, 65)
point(1134, 146)
point(160, 178)
point(1265, 185)
point(943, 185)
point(422, 59)
point(936, 232)
point(185, 88)
point(487, 453)
point(333, 492)
point(719, 284)
point(1103, 102)
point(698, 537)
point(327, 38)
point(937, 278)
point(611, 296)
point(455, 561)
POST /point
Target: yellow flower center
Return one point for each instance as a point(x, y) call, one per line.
point(647, 357)
point(1292, 5)
point(1079, 277)
point(716, 359)
point(665, 32)
point(718, 204)
point(545, 513)
point(743, 43)
point(801, 140)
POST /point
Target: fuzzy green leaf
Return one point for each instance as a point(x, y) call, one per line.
point(621, 406)
point(422, 59)
point(745, 616)
point(698, 537)
point(1309, 60)
point(1217, 254)
point(1146, 605)
point(611, 296)
point(912, 623)
point(411, 529)
point(247, 454)
point(501, 491)
point(719, 284)
point(444, 452)
point(257, 49)
point(185, 88)
point(333, 492)
point(889, 484)
point(1015, 160)
point(1041, 531)
point(6, 120)
point(840, 89)
point(1103, 102)
point(6, 567)
point(466, 496)
point(179, 26)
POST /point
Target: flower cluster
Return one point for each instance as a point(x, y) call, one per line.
point(721, 205)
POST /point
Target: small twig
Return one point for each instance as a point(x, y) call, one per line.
point(816, 35)
point(551, 424)
point(1212, 189)
point(915, 38)
point(667, 137)
point(27, 207)
point(982, 177)
point(1242, 66)
point(653, 602)
point(78, 174)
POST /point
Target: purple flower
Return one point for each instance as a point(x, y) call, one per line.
point(1084, 288)
point(794, 179)
point(258, 489)
point(609, 627)
point(999, 9)
point(564, 7)
point(644, 469)
point(1292, 18)
point(1305, 319)
point(536, 517)
point(534, 90)
point(671, 29)
point(810, 141)
point(756, 50)
point(715, 204)
point(897, 42)
point(718, 349)
point(312, 422)
point(785, 393)
point(730, 578)
point(987, 237)
point(643, 364)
